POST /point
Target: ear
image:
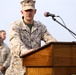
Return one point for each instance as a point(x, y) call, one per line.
point(21, 12)
point(35, 11)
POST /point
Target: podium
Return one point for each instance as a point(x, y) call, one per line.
point(55, 58)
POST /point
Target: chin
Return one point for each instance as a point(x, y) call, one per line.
point(29, 19)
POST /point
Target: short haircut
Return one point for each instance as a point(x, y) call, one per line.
point(2, 31)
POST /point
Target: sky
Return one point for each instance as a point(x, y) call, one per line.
point(10, 10)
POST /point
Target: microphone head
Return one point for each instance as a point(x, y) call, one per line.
point(46, 14)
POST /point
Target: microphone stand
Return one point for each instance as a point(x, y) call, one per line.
point(63, 26)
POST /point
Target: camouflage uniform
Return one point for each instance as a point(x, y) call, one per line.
point(4, 54)
point(22, 39)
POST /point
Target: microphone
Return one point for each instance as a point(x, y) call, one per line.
point(47, 14)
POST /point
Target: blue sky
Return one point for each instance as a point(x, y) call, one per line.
point(10, 11)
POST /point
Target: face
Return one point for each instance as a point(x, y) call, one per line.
point(3, 35)
point(28, 14)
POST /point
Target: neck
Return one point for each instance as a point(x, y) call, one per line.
point(28, 21)
point(1, 43)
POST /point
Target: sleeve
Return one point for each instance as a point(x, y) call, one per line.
point(7, 61)
point(46, 36)
point(16, 44)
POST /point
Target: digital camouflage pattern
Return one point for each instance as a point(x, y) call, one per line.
point(4, 56)
point(22, 39)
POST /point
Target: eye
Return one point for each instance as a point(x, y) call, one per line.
point(28, 10)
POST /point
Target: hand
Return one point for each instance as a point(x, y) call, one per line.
point(25, 52)
point(2, 69)
point(28, 51)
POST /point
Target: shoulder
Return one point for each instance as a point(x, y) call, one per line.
point(5, 45)
point(16, 23)
point(40, 25)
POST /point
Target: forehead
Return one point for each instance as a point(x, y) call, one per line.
point(3, 33)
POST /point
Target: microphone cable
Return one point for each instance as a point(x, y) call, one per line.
point(66, 26)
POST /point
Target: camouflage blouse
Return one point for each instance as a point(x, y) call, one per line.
point(22, 39)
point(4, 55)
